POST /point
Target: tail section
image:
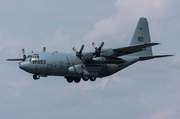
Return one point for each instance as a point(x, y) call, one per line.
point(142, 35)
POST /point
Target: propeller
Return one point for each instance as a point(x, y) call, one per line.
point(98, 50)
point(24, 54)
point(79, 54)
point(20, 59)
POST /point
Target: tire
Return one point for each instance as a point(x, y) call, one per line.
point(92, 78)
point(36, 77)
point(77, 80)
point(69, 79)
point(85, 78)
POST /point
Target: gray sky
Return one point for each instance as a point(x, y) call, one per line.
point(145, 90)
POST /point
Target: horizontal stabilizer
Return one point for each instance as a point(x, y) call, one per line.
point(14, 59)
point(151, 57)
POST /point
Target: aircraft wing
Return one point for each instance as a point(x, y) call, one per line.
point(133, 48)
point(14, 59)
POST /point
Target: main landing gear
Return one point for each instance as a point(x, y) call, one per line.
point(36, 77)
point(78, 79)
point(89, 78)
point(71, 79)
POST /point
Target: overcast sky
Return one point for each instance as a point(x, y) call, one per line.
point(145, 90)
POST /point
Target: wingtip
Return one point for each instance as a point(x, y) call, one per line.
point(154, 43)
point(170, 55)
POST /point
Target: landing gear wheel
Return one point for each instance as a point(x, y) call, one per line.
point(92, 78)
point(77, 80)
point(85, 78)
point(69, 79)
point(36, 77)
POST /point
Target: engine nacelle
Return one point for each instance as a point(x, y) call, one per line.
point(87, 56)
point(107, 52)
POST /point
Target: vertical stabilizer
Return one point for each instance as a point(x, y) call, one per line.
point(142, 35)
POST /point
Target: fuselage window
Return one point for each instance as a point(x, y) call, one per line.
point(36, 59)
point(36, 56)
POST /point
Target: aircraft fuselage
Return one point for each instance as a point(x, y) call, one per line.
point(68, 65)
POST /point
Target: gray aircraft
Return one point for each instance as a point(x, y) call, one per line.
point(90, 65)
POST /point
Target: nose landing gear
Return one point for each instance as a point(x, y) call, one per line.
point(36, 77)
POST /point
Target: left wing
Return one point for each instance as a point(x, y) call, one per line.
point(14, 59)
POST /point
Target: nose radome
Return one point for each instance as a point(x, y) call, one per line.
point(23, 65)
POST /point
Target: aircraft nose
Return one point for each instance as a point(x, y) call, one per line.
point(23, 65)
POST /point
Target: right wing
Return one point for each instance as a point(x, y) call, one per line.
point(133, 48)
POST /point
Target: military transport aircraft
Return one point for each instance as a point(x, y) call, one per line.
point(90, 65)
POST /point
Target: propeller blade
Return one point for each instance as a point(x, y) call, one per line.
point(23, 51)
point(24, 54)
point(83, 59)
point(74, 49)
point(94, 45)
point(102, 44)
point(82, 47)
point(44, 49)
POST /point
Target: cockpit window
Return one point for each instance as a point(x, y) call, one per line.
point(36, 56)
point(29, 56)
